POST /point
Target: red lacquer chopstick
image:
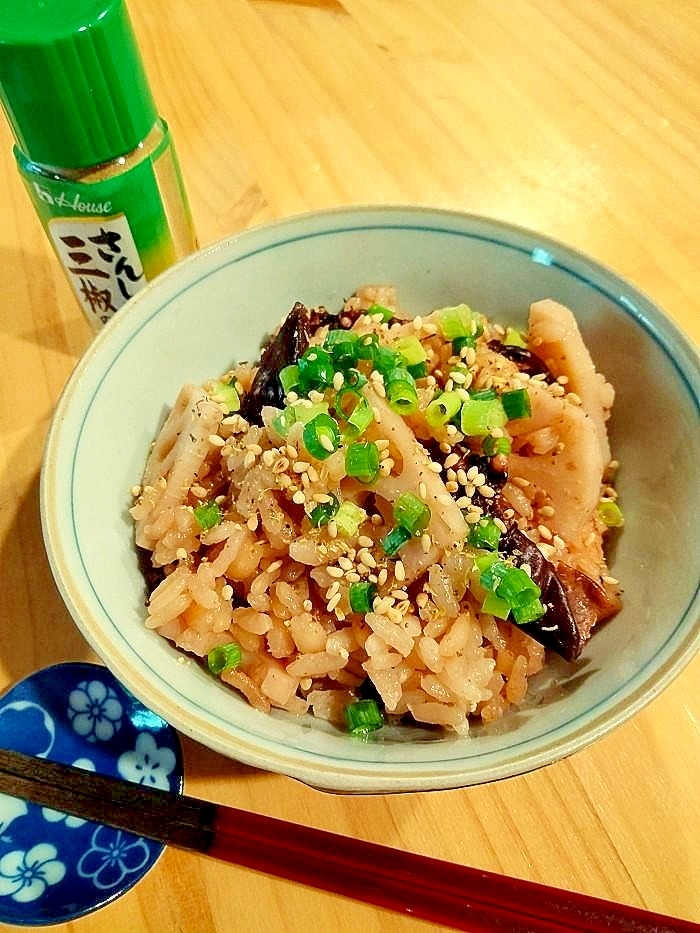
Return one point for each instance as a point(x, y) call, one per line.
point(431, 889)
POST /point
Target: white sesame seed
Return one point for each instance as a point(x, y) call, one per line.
point(435, 467)
point(333, 589)
point(451, 460)
point(366, 558)
point(459, 377)
point(451, 486)
point(307, 605)
point(382, 576)
point(612, 581)
point(399, 571)
point(326, 443)
point(365, 541)
point(333, 602)
point(332, 528)
point(472, 472)
point(334, 572)
point(338, 380)
point(422, 490)
point(352, 576)
point(345, 563)
point(545, 532)
point(299, 497)
point(547, 550)
point(487, 492)
point(558, 542)
point(248, 460)
point(301, 466)
point(226, 591)
point(426, 542)
point(252, 523)
point(181, 553)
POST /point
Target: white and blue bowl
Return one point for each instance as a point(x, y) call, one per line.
point(212, 310)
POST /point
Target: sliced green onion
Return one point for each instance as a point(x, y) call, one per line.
point(418, 370)
point(375, 309)
point(361, 596)
point(343, 347)
point(401, 391)
point(321, 436)
point(514, 338)
point(322, 513)
point(366, 347)
point(354, 410)
point(395, 540)
point(495, 606)
point(208, 514)
point(483, 394)
point(348, 518)
point(316, 369)
point(411, 513)
point(226, 394)
point(459, 321)
point(354, 378)
point(517, 587)
point(485, 534)
point(363, 717)
point(528, 611)
point(362, 461)
point(289, 378)
point(385, 360)
point(224, 657)
point(611, 513)
point(441, 410)
point(516, 403)
point(283, 422)
point(479, 416)
point(306, 411)
point(459, 343)
point(493, 446)
point(411, 350)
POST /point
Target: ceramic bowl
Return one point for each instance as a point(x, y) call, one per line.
point(212, 310)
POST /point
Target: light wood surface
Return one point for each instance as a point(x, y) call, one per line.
point(578, 118)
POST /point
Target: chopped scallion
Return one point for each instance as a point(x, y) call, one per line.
point(363, 717)
point(226, 394)
point(395, 540)
point(386, 314)
point(441, 410)
point(362, 461)
point(348, 518)
point(224, 657)
point(208, 514)
point(289, 378)
point(322, 513)
point(611, 513)
point(316, 369)
point(411, 350)
point(401, 391)
point(321, 436)
point(516, 403)
point(459, 321)
point(361, 596)
point(479, 416)
point(354, 410)
point(493, 446)
point(485, 534)
point(459, 343)
point(411, 513)
point(514, 338)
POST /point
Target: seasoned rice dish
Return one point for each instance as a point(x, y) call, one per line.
point(385, 516)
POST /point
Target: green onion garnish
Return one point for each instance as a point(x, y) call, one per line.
point(363, 717)
point(528, 611)
point(411, 513)
point(611, 513)
point(513, 586)
point(411, 350)
point(459, 321)
point(441, 410)
point(224, 658)
point(362, 461)
point(348, 518)
point(361, 596)
point(316, 369)
point(366, 347)
point(401, 391)
point(322, 513)
point(493, 446)
point(289, 378)
point(485, 534)
point(343, 347)
point(321, 436)
point(385, 360)
point(514, 338)
point(479, 416)
point(418, 370)
point(516, 403)
point(495, 606)
point(354, 410)
point(385, 313)
point(208, 514)
point(395, 540)
point(225, 393)
point(459, 343)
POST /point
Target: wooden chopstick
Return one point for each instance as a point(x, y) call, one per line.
point(441, 892)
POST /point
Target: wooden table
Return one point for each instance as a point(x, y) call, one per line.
point(578, 118)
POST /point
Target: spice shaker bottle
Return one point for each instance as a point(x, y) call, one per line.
point(96, 158)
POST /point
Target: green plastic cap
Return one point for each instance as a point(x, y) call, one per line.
point(72, 81)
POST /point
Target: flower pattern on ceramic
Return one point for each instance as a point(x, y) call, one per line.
point(147, 764)
point(95, 711)
point(25, 875)
point(111, 857)
point(55, 867)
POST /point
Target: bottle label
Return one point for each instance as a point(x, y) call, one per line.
point(101, 260)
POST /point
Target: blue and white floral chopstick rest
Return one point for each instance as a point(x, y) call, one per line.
point(55, 867)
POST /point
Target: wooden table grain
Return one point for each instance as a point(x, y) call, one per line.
point(578, 118)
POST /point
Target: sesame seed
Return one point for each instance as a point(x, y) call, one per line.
point(545, 532)
point(291, 451)
point(377, 519)
point(562, 380)
point(301, 466)
point(487, 492)
point(547, 511)
point(332, 528)
point(459, 377)
point(559, 542)
point(281, 465)
point(299, 497)
point(307, 605)
point(365, 541)
point(274, 566)
point(451, 460)
point(352, 576)
point(334, 572)
point(333, 589)
point(198, 491)
point(226, 591)
point(462, 394)
point(268, 458)
point(382, 444)
point(365, 557)
point(345, 563)
point(451, 486)
point(248, 460)
point(421, 600)
point(463, 502)
point(612, 581)
point(435, 467)
point(449, 385)
point(452, 430)
point(382, 576)
point(399, 571)
point(426, 542)
point(326, 443)
point(333, 602)
point(500, 524)
point(472, 472)
point(520, 481)
point(417, 322)
point(547, 550)
point(422, 490)
point(136, 491)
point(338, 380)
point(181, 553)
point(252, 523)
